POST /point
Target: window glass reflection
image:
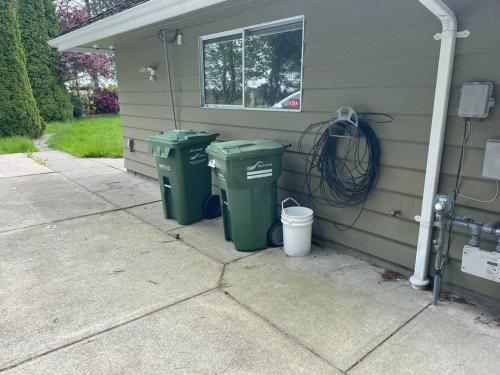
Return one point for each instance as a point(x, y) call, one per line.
point(273, 60)
point(222, 59)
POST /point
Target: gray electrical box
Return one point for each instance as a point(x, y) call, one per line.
point(476, 100)
point(491, 166)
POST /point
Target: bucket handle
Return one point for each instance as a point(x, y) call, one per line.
point(289, 199)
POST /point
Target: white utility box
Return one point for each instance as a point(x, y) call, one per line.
point(481, 263)
point(476, 100)
point(491, 166)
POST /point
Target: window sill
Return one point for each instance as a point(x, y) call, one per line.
point(237, 107)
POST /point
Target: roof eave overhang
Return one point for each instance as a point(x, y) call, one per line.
point(131, 19)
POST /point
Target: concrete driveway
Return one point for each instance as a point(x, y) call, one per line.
point(93, 280)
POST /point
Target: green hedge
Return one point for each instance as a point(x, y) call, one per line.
point(19, 114)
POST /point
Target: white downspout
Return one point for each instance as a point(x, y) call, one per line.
point(446, 56)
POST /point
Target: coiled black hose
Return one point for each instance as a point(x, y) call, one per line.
point(347, 168)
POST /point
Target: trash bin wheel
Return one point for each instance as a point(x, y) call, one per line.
point(275, 234)
point(211, 207)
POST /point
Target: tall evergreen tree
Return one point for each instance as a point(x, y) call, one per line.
point(42, 60)
point(51, 18)
point(19, 114)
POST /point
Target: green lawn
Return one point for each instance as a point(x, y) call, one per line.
point(100, 136)
point(12, 145)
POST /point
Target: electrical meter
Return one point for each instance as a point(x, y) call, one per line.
point(477, 262)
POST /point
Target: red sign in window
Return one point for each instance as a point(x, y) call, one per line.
point(294, 103)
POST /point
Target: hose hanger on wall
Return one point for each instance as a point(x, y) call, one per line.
point(345, 125)
point(168, 37)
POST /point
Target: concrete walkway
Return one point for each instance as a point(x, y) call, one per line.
point(93, 280)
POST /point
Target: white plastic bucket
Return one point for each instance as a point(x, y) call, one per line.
point(297, 229)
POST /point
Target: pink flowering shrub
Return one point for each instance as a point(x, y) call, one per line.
point(86, 73)
point(69, 15)
point(106, 101)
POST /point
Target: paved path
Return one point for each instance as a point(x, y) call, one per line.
point(93, 280)
point(41, 143)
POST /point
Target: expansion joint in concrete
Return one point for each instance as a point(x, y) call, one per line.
point(98, 333)
point(389, 337)
point(293, 338)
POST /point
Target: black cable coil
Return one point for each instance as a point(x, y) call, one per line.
point(347, 167)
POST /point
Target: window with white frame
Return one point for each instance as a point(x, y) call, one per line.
point(258, 67)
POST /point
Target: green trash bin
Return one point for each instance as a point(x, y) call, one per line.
point(247, 174)
point(183, 174)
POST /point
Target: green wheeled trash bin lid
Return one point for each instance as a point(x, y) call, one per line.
point(245, 149)
point(161, 144)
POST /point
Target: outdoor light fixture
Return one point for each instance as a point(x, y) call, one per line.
point(96, 46)
point(179, 38)
point(112, 48)
point(151, 70)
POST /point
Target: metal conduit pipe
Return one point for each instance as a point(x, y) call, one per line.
point(441, 258)
point(474, 228)
point(443, 221)
point(448, 21)
point(493, 229)
point(162, 35)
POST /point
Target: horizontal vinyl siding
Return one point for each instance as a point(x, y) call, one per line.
point(385, 61)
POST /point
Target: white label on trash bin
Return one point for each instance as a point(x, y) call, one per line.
point(211, 163)
point(259, 164)
point(165, 167)
point(198, 158)
point(253, 171)
point(259, 174)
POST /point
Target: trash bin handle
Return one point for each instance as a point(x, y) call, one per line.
point(286, 145)
point(228, 148)
point(288, 199)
